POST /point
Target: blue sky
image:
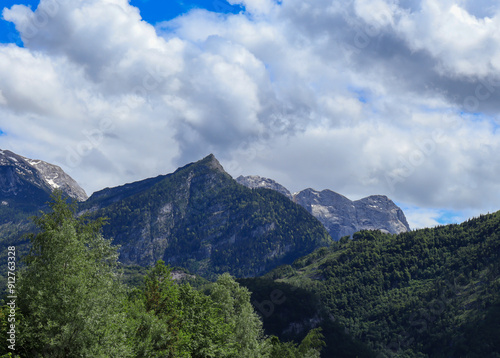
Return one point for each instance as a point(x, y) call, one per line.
point(152, 11)
point(8, 31)
point(358, 96)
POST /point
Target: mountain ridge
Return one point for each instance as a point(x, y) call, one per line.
point(256, 181)
point(19, 172)
point(340, 215)
point(201, 218)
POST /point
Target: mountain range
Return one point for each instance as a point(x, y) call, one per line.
point(339, 215)
point(384, 291)
point(199, 217)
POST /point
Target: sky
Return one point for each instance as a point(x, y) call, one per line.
point(398, 98)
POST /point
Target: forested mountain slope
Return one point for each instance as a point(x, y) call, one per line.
point(426, 293)
point(200, 218)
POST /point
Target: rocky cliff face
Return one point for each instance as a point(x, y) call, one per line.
point(342, 216)
point(28, 183)
point(338, 214)
point(200, 218)
point(58, 179)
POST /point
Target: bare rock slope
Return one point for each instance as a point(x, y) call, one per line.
point(29, 182)
point(340, 215)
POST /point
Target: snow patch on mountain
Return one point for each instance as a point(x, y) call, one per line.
point(41, 174)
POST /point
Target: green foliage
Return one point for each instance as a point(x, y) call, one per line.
point(310, 346)
point(68, 296)
point(290, 312)
point(14, 225)
point(133, 275)
point(171, 320)
point(426, 293)
point(154, 315)
point(72, 303)
point(206, 333)
point(234, 303)
point(149, 334)
point(312, 343)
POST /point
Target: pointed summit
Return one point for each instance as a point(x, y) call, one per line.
point(212, 163)
point(200, 218)
point(209, 162)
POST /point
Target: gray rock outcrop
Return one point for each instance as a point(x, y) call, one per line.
point(255, 181)
point(340, 215)
point(36, 178)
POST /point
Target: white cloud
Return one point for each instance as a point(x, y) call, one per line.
point(420, 218)
point(364, 97)
point(377, 13)
point(463, 43)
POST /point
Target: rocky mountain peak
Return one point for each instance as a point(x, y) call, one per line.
point(211, 162)
point(340, 215)
point(379, 208)
point(255, 181)
point(196, 170)
point(324, 197)
point(58, 179)
point(18, 173)
point(199, 217)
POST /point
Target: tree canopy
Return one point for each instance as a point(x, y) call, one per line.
point(73, 303)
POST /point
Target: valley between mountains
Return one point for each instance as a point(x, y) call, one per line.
point(312, 259)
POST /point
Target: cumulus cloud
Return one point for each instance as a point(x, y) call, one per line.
point(460, 40)
point(361, 97)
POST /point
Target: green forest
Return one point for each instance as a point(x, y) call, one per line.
point(70, 301)
point(425, 293)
